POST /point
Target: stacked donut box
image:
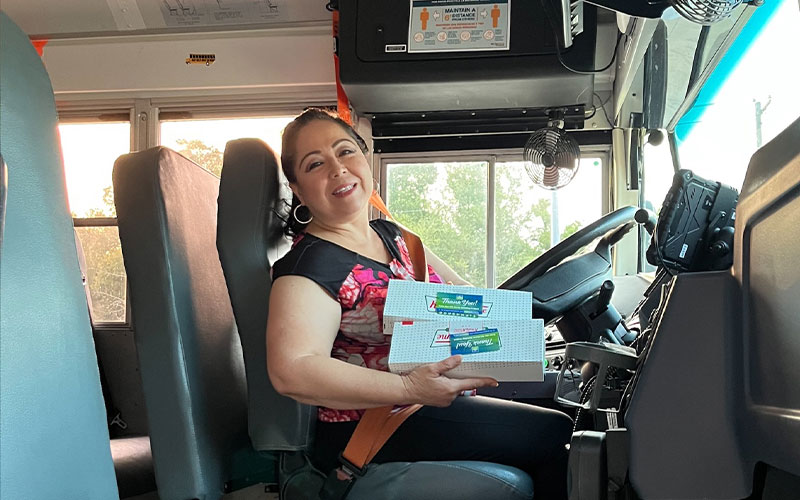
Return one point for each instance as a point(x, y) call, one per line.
point(492, 330)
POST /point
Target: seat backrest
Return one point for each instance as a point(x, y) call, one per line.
point(55, 441)
point(249, 238)
point(189, 353)
point(3, 189)
point(767, 265)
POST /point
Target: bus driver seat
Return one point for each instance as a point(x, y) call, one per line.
point(249, 240)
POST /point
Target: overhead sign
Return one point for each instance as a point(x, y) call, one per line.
point(459, 25)
point(220, 12)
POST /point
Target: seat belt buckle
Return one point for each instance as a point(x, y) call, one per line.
point(340, 480)
point(348, 469)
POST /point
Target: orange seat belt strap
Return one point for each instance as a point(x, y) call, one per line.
point(415, 249)
point(375, 428)
point(378, 424)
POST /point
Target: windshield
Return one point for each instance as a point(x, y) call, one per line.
point(685, 43)
point(750, 97)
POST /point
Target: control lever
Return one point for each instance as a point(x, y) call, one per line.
point(647, 218)
point(596, 320)
point(601, 305)
point(604, 298)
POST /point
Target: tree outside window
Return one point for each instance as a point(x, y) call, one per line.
point(446, 204)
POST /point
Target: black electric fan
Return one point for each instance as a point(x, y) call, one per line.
point(551, 156)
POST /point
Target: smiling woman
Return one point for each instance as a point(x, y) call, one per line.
point(446, 107)
point(337, 358)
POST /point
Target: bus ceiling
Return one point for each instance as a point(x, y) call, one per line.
point(482, 68)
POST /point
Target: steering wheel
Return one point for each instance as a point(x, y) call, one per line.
point(559, 285)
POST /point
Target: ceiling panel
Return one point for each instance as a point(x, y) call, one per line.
point(60, 19)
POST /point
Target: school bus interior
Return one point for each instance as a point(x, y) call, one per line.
point(140, 214)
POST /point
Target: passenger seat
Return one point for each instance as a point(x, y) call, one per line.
point(52, 425)
point(189, 352)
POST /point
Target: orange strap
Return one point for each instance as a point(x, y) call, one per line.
point(375, 427)
point(342, 103)
point(415, 249)
point(378, 424)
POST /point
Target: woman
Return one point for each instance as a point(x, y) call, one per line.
point(324, 335)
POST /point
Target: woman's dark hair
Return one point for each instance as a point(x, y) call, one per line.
point(289, 136)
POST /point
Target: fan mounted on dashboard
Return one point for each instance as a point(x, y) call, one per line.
point(551, 156)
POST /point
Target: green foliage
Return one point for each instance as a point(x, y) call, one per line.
point(445, 217)
point(446, 205)
point(208, 157)
point(105, 272)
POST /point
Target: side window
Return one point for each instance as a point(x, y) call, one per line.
point(203, 141)
point(749, 98)
point(445, 203)
point(90, 150)
point(448, 205)
point(530, 220)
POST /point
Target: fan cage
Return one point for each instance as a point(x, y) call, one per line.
point(551, 158)
point(705, 11)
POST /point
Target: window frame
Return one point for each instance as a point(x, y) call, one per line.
point(178, 114)
point(145, 117)
point(124, 325)
point(99, 116)
point(381, 163)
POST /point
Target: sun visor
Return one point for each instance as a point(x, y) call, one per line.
point(447, 55)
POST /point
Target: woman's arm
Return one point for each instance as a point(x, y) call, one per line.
point(442, 269)
point(302, 324)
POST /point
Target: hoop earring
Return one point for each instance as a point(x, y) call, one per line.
point(294, 215)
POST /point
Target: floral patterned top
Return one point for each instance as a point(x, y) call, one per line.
point(359, 284)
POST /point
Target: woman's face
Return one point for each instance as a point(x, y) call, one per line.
point(333, 177)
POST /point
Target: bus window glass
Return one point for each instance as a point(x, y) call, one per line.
point(445, 204)
point(203, 141)
point(684, 37)
point(89, 151)
point(530, 219)
point(105, 272)
point(753, 87)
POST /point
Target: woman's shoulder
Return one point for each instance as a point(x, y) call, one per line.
point(386, 227)
point(317, 259)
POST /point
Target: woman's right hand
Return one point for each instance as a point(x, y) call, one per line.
point(429, 384)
